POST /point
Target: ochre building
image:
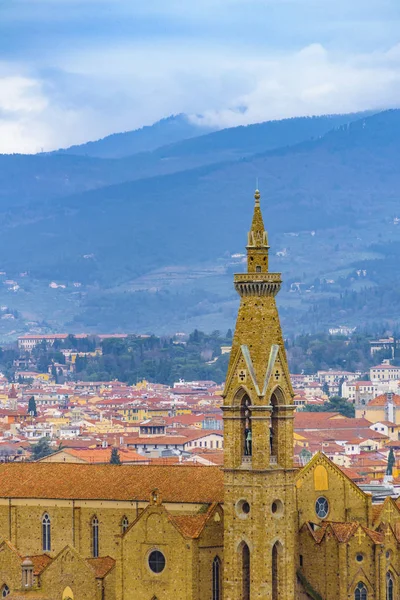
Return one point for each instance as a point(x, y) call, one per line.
point(258, 529)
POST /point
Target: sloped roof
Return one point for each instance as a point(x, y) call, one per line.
point(343, 532)
point(176, 483)
point(40, 561)
point(382, 400)
point(101, 565)
point(190, 525)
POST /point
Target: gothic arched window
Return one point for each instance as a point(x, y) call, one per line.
point(276, 570)
point(360, 592)
point(95, 537)
point(124, 524)
point(216, 579)
point(5, 590)
point(245, 560)
point(46, 533)
point(389, 586)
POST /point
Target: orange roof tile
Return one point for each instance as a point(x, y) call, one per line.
point(382, 400)
point(40, 561)
point(176, 483)
point(102, 565)
point(190, 525)
point(99, 455)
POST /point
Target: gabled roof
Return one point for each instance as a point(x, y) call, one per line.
point(191, 526)
point(321, 458)
point(343, 532)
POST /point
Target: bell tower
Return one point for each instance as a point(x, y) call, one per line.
point(259, 504)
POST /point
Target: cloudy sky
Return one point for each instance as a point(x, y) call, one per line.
point(74, 70)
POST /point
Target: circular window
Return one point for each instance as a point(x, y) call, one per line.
point(277, 508)
point(359, 557)
point(321, 507)
point(242, 508)
point(156, 561)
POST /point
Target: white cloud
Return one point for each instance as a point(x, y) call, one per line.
point(99, 91)
point(313, 82)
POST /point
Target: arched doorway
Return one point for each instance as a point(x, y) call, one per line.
point(244, 557)
point(276, 570)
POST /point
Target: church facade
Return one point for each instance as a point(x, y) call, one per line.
point(258, 529)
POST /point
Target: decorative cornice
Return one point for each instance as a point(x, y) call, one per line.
point(257, 284)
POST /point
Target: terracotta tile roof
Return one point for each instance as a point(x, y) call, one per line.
point(40, 561)
point(97, 455)
point(190, 525)
point(308, 421)
point(344, 531)
point(376, 536)
point(382, 400)
point(102, 565)
point(376, 511)
point(176, 483)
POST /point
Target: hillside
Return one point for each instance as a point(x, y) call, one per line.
point(167, 131)
point(34, 178)
point(156, 253)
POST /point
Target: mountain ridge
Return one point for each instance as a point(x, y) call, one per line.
point(324, 201)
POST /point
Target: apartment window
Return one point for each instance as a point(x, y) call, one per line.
point(95, 537)
point(46, 533)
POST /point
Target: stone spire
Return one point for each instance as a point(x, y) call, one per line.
point(257, 241)
point(257, 236)
point(258, 437)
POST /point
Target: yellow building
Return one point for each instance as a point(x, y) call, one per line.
point(256, 530)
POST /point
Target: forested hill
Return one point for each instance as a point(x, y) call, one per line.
point(167, 131)
point(156, 253)
point(35, 178)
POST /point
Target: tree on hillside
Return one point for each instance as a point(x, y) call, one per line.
point(32, 409)
point(115, 458)
point(41, 449)
point(335, 404)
